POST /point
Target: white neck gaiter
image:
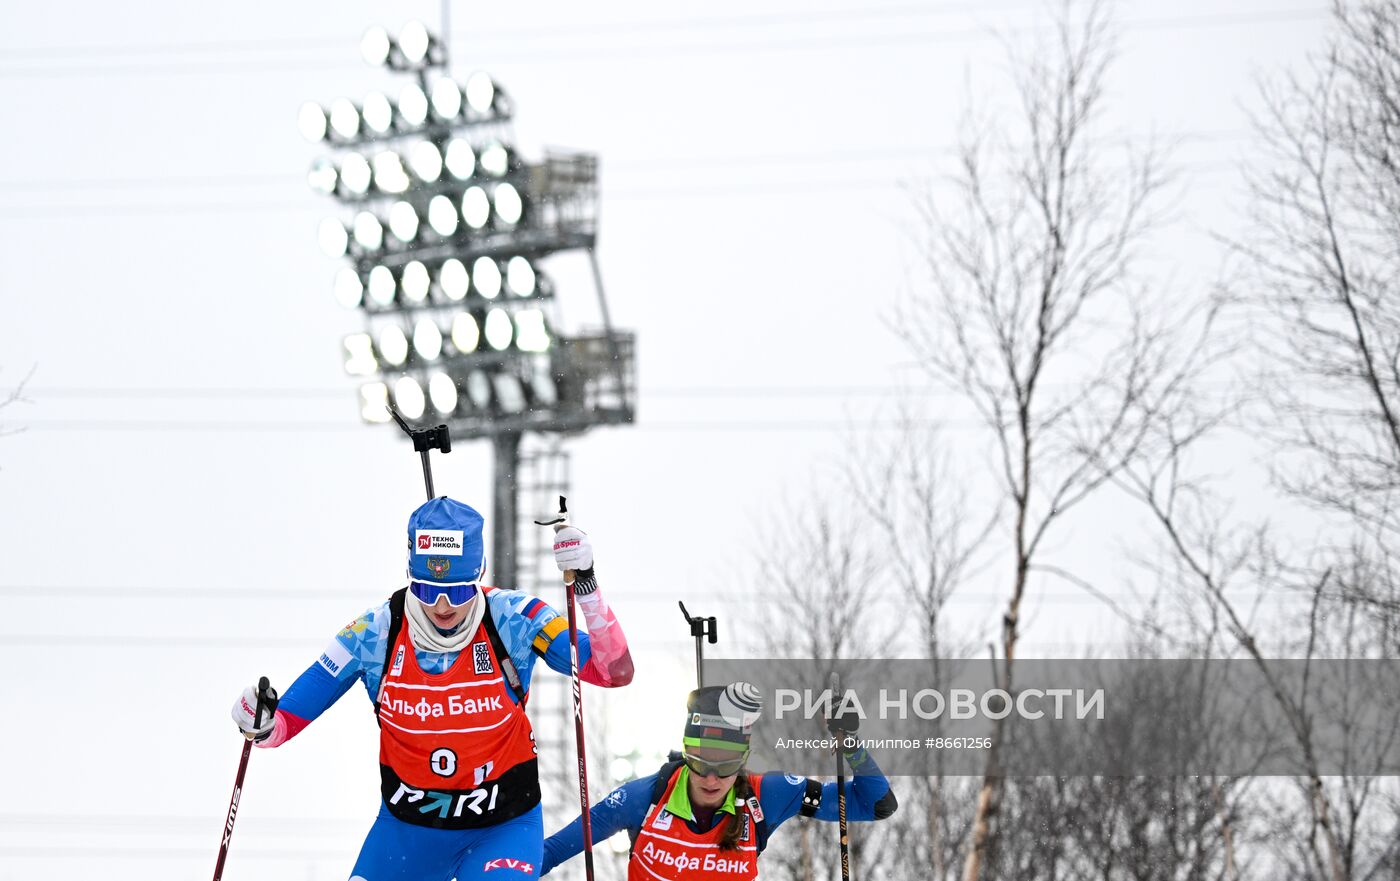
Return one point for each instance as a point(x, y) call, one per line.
point(427, 637)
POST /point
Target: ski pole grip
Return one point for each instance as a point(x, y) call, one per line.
point(267, 700)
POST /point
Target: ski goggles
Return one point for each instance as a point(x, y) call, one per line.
point(704, 768)
point(427, 594)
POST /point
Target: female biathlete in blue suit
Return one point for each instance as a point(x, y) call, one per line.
point(703, 815)
point(447, 664)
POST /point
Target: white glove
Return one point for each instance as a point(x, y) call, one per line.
point(572, 549)
point(244, 709)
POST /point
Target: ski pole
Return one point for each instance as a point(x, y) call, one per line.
point(700, 628)
point(559, 523)
point(841, 786)
point(267, 699)
point(424, 440)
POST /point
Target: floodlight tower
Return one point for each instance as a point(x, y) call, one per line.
point(445, 226)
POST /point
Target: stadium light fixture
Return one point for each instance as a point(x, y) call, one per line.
point(378, 114)
point(542, 387)
point(520, 276)
point(476, 207)
point(359, 355)
point(408, 396)
point(481, 93)
point(312, 122)
point(415, 42)
point(479, 389)
point(498, 329)
point(495, 160)
point(465, 333)
point(447, 99)
point(509, 206)
point(442, 391)
point(375, 46)
point(323, 177)
point(427, 339)
point(509, 392)
point(393, 345)
point(486, 276)
point(453, 279)
point(345, 119)
point(333, 239)
point(349, 289)
point(414, 282)
point(355, 174)
point(530, 333)
point(460, 159)
point(413, 106)
point(374, 402)
point(403, 222)
point(368, 231)
point(381, 285)
point(442, 216)
point(425, 159)
point(389, 173)
point(439, 216)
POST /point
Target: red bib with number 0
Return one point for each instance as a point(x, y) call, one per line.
point(455, 752)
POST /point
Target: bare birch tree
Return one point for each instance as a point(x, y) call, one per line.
point(930, 540)
point(1326, 260)
point(818, 579)
point(1036, 313)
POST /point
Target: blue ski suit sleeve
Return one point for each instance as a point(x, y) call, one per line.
point(867, 794)
point(624, 808)
point(355, 653)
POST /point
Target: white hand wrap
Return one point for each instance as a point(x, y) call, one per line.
point(244, 710)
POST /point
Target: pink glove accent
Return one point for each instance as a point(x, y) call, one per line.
point(284, 727)
point(609, 663)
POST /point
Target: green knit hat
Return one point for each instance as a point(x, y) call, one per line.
point(722, 716)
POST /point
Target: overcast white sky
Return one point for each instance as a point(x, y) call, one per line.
point(194, 501)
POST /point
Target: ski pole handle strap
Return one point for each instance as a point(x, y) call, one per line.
point(585, 582)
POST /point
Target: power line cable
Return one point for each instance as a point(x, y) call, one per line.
point(569, 53)
point(196, 393)
point(258, 394)
point(29, 213)
point(302, 44)
point(643, 165)
point(289, 427)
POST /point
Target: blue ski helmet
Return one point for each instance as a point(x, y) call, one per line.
point(445, 547)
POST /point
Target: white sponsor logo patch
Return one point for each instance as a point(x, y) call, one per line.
point(398, 663)
point(481, 658)
point(756, 810)
point(447, 542)
point(335, 657)
point(663, 820)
